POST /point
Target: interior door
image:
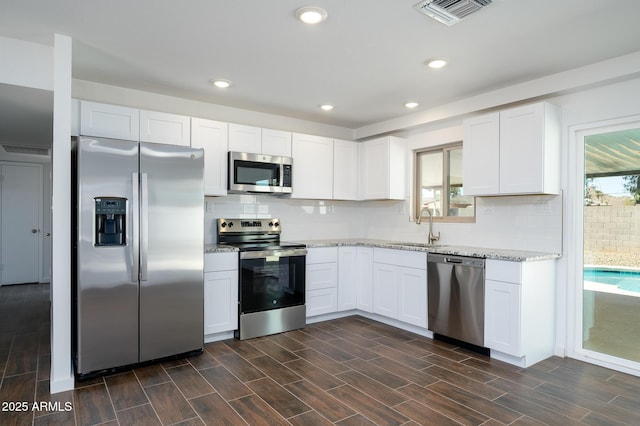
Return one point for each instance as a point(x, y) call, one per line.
point(21, 194)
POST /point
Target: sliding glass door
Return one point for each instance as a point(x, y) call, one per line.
point(610, 267)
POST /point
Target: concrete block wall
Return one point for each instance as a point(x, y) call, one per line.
point(613, 228)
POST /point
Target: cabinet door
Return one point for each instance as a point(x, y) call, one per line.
point(383, 169)
point(212, 137)
point(321, 275)
point(220, 301)
point(385, 290)
point(312, 167)
point(502, 317)
point(245, 138)
point(109, 121)
point(160, 127)
point(276, 142)
point(412, 297)
point(521, 150)
point(345, 170)
point(347, 278)
point(365, 279)
point(374, 169)
point(321, 301)
point(481, 155)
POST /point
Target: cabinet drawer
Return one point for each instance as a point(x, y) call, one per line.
point(406, 258)
point(505, 271)
point(220, 261)
point(322, 255)
point(322, 275)
point(322, 301)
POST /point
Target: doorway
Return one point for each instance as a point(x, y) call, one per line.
point(607, 261)
point(21, 223)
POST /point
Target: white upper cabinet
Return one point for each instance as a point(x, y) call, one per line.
point(312, 167)
point(383, 169)
point(513, 152)
point(109, 121)
point(530, 150)
point(481, 155)
point(161, 127)
point(345, 170)
point(245, 138)
point(212, 137)
point(276, 142)
point(259, 141)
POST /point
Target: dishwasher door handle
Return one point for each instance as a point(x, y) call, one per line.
point(452, 260)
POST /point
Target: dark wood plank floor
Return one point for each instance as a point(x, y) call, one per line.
point(350, 371)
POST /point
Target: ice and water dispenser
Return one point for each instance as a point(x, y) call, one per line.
point(110, 221)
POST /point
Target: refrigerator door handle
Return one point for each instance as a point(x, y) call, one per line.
point(134, 224)
point(144, 225)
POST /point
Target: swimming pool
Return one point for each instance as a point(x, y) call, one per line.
point(628, 280)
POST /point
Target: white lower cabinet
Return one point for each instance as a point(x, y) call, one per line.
point(385, 290)
point(412, 296)
point(400, 285)
point(220, 292)
point(502, 316)
point(364, 279)
point(347, 278)
point(520, 310)
point(321, 281)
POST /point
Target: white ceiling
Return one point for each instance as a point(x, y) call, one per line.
point(367, 58)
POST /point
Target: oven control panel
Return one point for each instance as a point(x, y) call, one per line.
point(246, 226)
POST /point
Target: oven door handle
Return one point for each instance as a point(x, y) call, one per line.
point(272, 253)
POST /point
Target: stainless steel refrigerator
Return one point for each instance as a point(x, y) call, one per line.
point(139, 252)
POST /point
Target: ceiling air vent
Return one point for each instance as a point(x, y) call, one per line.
point(450, 12)
point(25, 150)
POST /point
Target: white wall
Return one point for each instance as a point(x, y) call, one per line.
point(582, 109)
point(61, 362)
point(26, 64)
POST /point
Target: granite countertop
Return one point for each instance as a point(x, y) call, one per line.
point(483, 252)
point(215, 248)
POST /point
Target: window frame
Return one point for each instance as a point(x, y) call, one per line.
point(417, 205)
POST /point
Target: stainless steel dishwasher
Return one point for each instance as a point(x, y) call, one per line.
point(455, 293)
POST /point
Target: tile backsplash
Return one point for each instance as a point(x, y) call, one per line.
point(519, 222)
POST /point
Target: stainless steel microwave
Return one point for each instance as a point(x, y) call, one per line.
point(259, 173)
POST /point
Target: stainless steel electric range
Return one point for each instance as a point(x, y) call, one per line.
point(271, 277)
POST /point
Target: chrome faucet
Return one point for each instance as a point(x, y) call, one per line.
point(432, 237)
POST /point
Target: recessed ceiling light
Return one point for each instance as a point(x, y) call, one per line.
point(311, 14)
point(221, 84)
point(411, 104)
point(436, 62)
point(326, 107)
